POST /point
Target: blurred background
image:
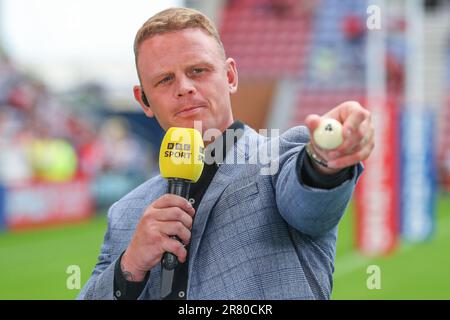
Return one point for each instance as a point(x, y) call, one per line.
point(73, 140)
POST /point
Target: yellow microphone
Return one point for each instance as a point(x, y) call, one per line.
point(181, 160)
point(181, 155)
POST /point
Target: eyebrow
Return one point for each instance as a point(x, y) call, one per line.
point(201, 63)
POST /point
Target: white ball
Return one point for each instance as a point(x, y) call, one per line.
point(328, 135)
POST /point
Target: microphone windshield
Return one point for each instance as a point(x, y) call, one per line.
point(182, 154)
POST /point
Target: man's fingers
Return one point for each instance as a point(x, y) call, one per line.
point(176, 228)
point(353, 121)
point(312, 121)
point(174, 214)
point(352, 159)
point(172, 200)
point(356, 139)
point(368, 134)
point(175, 247)
point(345, 109)
point(356, 146)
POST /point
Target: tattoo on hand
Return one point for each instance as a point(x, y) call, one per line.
point(128, 275)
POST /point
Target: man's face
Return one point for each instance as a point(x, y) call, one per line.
point(186, 79)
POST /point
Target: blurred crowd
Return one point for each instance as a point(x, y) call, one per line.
point(44, 139)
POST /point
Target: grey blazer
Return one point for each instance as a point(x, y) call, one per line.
point(255, 236)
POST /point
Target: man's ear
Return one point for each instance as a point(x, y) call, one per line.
point(232, 75)
point(140, 97)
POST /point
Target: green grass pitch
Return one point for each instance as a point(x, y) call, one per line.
point(33, 264)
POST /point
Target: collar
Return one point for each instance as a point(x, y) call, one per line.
point(222, 143)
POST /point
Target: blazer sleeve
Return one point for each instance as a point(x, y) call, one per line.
point(312, 211)
point(100, 285)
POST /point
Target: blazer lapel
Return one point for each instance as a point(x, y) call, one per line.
point(223, 177)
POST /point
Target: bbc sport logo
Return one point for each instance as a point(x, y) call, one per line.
point(179, 146)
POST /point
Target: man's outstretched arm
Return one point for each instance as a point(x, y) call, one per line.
point(304, 201)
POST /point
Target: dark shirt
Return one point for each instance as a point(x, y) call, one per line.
point(127, 290)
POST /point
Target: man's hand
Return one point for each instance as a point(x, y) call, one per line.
point(358, 137)
point(170, 215)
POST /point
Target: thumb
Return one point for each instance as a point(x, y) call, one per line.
point(312, 121)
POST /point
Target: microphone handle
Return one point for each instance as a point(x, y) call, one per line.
point(181, 188)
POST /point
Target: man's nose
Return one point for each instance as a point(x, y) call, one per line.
point(185, 86)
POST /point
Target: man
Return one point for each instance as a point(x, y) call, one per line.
point(247, 235)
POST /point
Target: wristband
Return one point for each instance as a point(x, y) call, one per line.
point(314, 157)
